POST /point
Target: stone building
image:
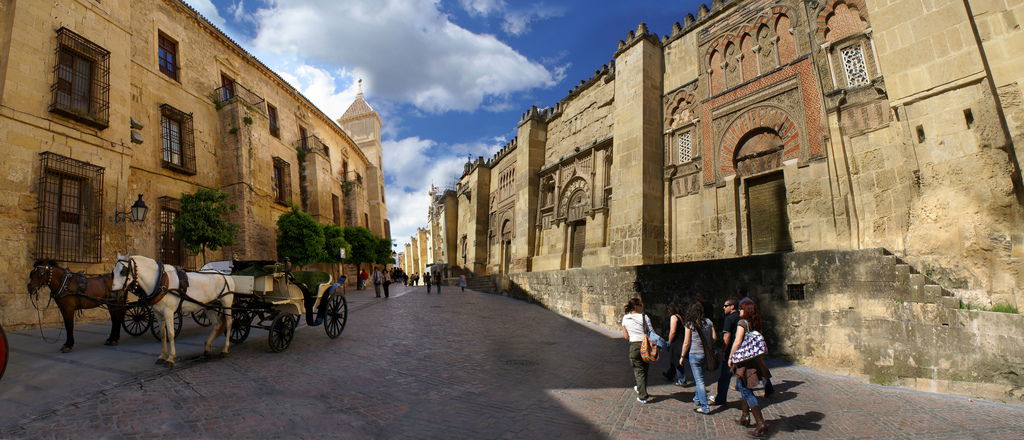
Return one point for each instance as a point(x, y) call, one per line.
point(765, 126)
point(101, 102)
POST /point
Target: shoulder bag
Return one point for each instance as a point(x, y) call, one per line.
point(648, 351)
point(710, 357)
point(751, 347)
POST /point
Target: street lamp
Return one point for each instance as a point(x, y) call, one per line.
point(138, 212)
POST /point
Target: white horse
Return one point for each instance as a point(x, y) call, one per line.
point(203, 288)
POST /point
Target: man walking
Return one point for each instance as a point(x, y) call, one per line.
point(732, 318)
point(377, 279)
point(437, 282)
point(426, 281)
point(386, 282)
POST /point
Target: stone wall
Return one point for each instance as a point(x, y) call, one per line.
point(864, 313)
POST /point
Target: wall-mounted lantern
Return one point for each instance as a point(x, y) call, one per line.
point(137, 213)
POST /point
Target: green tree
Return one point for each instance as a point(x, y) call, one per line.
point(382, 251)
point(203, 221)
point(363, 243)
point(334, 240)
point(299, 238)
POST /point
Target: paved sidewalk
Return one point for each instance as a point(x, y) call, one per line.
point(455, 365)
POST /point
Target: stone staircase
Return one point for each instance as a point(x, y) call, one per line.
point(919, 288)
point(482, 284)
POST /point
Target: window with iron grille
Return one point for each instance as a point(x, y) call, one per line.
point(282, 181)
point(685, 147)
point(275, 131)
point(179, 151)
point(167, 56)
point(81, 80)
point(170, 245)
point(70, 204)
point(856, 69)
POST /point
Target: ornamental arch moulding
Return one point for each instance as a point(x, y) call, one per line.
point(841, 18)
point(680, 110)
point(570, 189)
point(758, 133)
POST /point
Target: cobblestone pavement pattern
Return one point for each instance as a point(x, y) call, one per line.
point(455, 365)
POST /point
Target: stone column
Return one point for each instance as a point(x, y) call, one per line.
point(636, 229)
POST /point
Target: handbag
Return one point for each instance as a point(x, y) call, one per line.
point(710, 357)
point(648, 351)
point(752, 346)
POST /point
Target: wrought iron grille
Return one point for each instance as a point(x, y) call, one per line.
point(275, 130)
point(282, 181)
point(237, 92)
point(81, 80)
point(169, 244)
point(70, 204)
point(179, 149)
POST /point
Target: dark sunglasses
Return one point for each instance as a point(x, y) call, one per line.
point(728, 305)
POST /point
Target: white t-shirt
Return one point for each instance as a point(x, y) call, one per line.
point(634, 325)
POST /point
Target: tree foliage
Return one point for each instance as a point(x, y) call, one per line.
point(364, 245)
point(203, 221)
point(300, 238)
point(334, 240)
point(382, 251)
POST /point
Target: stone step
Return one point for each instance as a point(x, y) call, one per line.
point(903, 271)
point(916, 280)
point(933, 291)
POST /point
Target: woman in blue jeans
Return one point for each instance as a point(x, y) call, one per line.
point(700, 336)
point(750, 372)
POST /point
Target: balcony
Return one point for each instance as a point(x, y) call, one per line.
point(313, 143)
point(236, 92)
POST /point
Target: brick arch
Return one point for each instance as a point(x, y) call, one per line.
point(829, 10)
point(763, 117)
point(681, 102)
point(769, 17)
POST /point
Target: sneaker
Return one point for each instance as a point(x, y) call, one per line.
point(689, 383)
point(647, 400)
point(679, 384)
point(712, 399)
point(702, 410)
point(635, 390)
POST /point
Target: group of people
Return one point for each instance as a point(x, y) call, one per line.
point(696, 347)
point(382, 279)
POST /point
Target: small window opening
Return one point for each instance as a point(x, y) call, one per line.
point(920, 134)
point(969, 117)
point(795, 292)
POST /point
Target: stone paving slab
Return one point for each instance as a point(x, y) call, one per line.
point(455, 365)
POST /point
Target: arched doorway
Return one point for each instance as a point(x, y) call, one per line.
point(758, 161)
point(576, 218)
point(506, 245)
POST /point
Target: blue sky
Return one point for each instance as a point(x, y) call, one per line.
point(450, 78)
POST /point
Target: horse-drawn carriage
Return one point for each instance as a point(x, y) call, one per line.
point(239, 295)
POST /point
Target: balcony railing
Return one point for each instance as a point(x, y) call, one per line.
point(313, 143)
point(226, 94)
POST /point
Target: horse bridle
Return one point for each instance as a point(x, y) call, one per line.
point(130, 267)
point(54, 294)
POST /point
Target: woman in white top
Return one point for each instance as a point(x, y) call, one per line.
point(633, 323)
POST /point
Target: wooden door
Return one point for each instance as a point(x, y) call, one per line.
point(577, 244)
point(767, 215)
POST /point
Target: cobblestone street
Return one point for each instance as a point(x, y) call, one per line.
point(455, 365)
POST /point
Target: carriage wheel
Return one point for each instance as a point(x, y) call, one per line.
point(3, 352)
point(136, 320)
point(157, 331)
point(337, 316)
point(240, 326)
point(281, 331)
point(201, 318)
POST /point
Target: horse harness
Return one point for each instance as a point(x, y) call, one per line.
point(162, 285)
point(61, 292)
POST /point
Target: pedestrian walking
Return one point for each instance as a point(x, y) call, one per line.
point(362, 280)
point(634, 325)
point(769, 389)
point(377, 278)
point(676, 373)
point(698, 345)
point(462, 282)
point(437, 282)
point(426, 281)
point(385, 282)
point(732, 317)
point(749, 373)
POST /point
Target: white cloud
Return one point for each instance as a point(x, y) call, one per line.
point(482, 7)
point(515, 21)
point(406, 51)
point(208, 10)
point(411, 165)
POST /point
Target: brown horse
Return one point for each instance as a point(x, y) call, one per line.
point(74, 292)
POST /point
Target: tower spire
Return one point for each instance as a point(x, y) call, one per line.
point(359, 86)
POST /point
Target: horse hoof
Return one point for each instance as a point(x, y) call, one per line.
point(169, 365)
point(65, 349)
point(206, 355)
point(110, 343)
point(160, 362)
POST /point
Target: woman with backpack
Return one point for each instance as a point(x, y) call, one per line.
point(698, 346)
point(635, 325)
point(749, 372)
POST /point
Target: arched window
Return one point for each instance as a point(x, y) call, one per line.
point(717, 74)
point(749, 62)
point(787, 47)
